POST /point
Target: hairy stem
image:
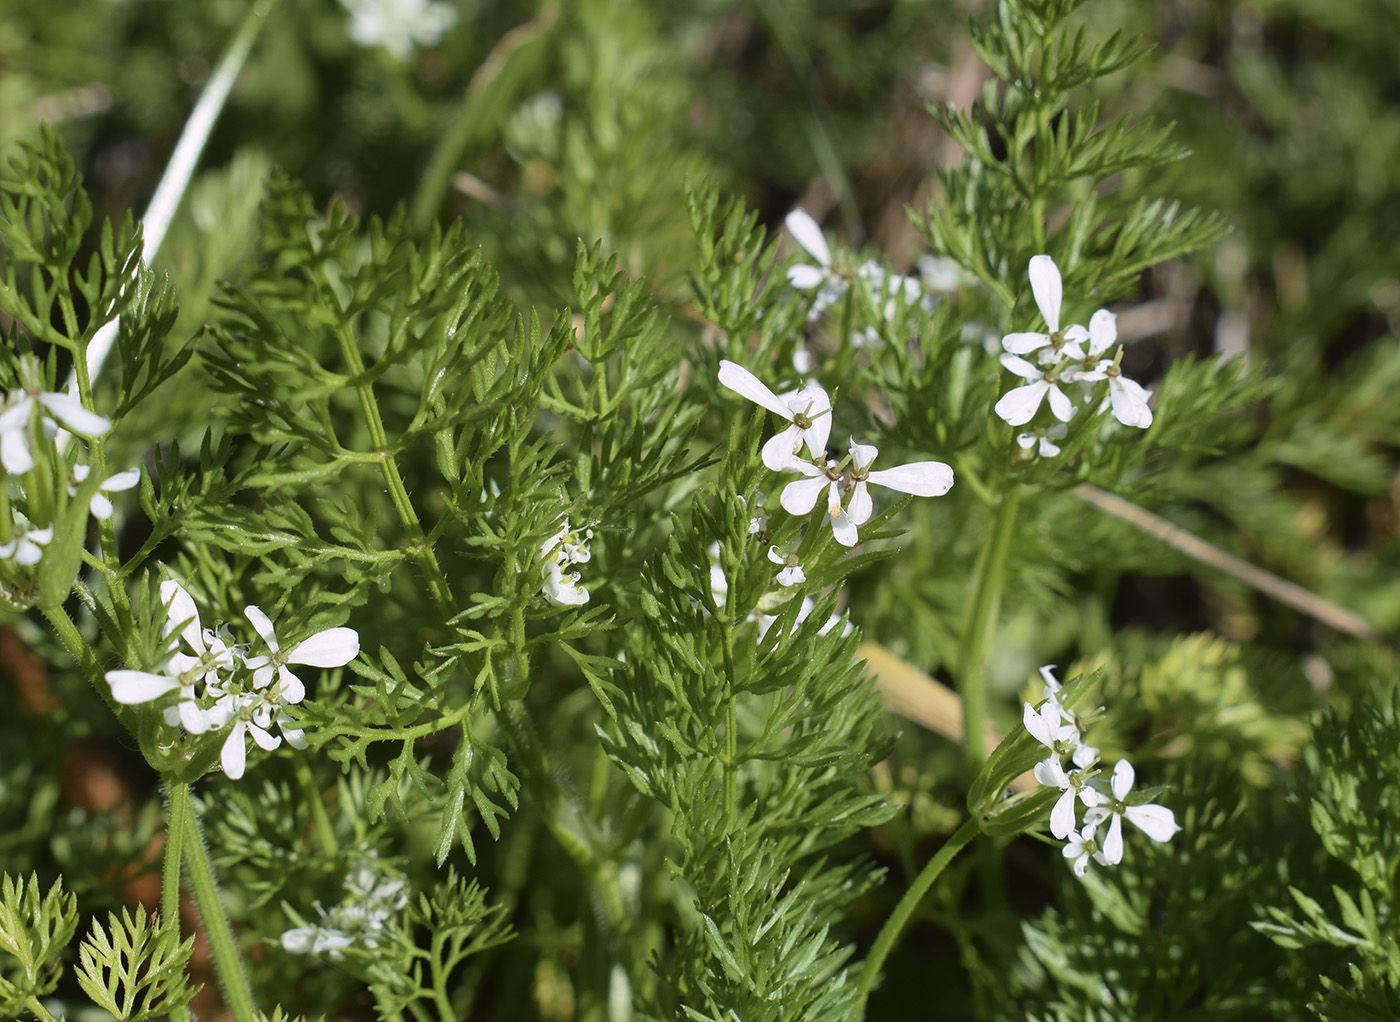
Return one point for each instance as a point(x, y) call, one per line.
point(176, 822)
point(40, 1012)
point(232, 979)
point(899, 918)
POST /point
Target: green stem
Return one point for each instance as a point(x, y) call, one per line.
point(232, 979)
point(176, 821)
point(981, 627)
point(40, 1012)
point(899, 918)
point(420, 549)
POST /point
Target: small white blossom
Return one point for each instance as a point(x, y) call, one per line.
point(27, 543)
point(829, 285)
point(1157, 822)
point(564, 548)
point(369, 904)
point(399, 25)
point(808, 409)
point(917, 478)
point(99, 505)
point(331, 647)
point(758, 524)
point(1049, 292)
point(1043, 441)
point(15, 454)
point(792, 573)
point(1127, 398)
point(1019, 405)
point(1080, 846)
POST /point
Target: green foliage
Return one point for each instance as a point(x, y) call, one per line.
point(138, 971)
point(34, 930)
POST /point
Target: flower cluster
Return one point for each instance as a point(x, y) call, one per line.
point(830, 282)
point(31, 417)
point(565, 548)
point(1072, 767)
point(217, 685)
point(399, 26)
point(369, 903)
point(844, 483)
point(771, 604)
point(1062, 358)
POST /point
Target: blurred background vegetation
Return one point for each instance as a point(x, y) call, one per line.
point(541, 123)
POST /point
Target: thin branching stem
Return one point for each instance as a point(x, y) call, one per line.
point(899, 918)
point(981, 626)
point(176, 820)
point(232, 979)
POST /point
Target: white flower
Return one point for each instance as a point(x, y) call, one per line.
point(99, 505)
point(14, 424)
point(1048, 291)
point(808, 409)
point(561, 588)
point(830, 285)
point(1080, 846)
point(918, 478)
point(1048, 727)
point(331, 647)
point(1128, 399)
point(1157, 822)
point(1018, 406)
point(564, 548)
point(369, 903)
point(27, 543)
point(182, 670)
point(1043, 440)
point(758, 524)
point(792, 573)
point(399, 25)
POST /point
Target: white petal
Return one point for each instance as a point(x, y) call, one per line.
point(14, 418)
point(262, 624)
point(1062, 816)
point(1024, 343)
point(1085, 756)
point(1113, 843)
point(862, 507)
point(1060, 405)
point(235, 754)
point(1081, 865)
point(1025, 441)
point(1047, 675)
point(746, 384)
point(1103, 331)
point(180, 610)
point(1036, 725)
point(863, 454)
point(265, 739)
point(804, 277)
point(296, 738)
point(70, 411)
point(1129, 402)
point(1050, 773)
point(130, 688)
point(1019, 406)
point(121, 481)
point(776, 557)
point(920, 478)
point(1074, 336)
point(190, 716)
point(1157, 822)
point(293, 691)
point(844, 530)
point(798, 498)
point(1046, 286)
point(100, 507)
point(792, 575)
point(780, 450)
point(14, 452)
point(27, 552)
point(334, 647)
point(1123, 777)
point(299, 941)
point(815, 404)
point(1022, 368)
point(806, 233)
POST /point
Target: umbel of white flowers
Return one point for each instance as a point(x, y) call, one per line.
point(1072, 766)
point(360, 919)
point(827, 279)
point(565, 548)
point(848, 501)
point(1061, 359)
point(217, 685)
